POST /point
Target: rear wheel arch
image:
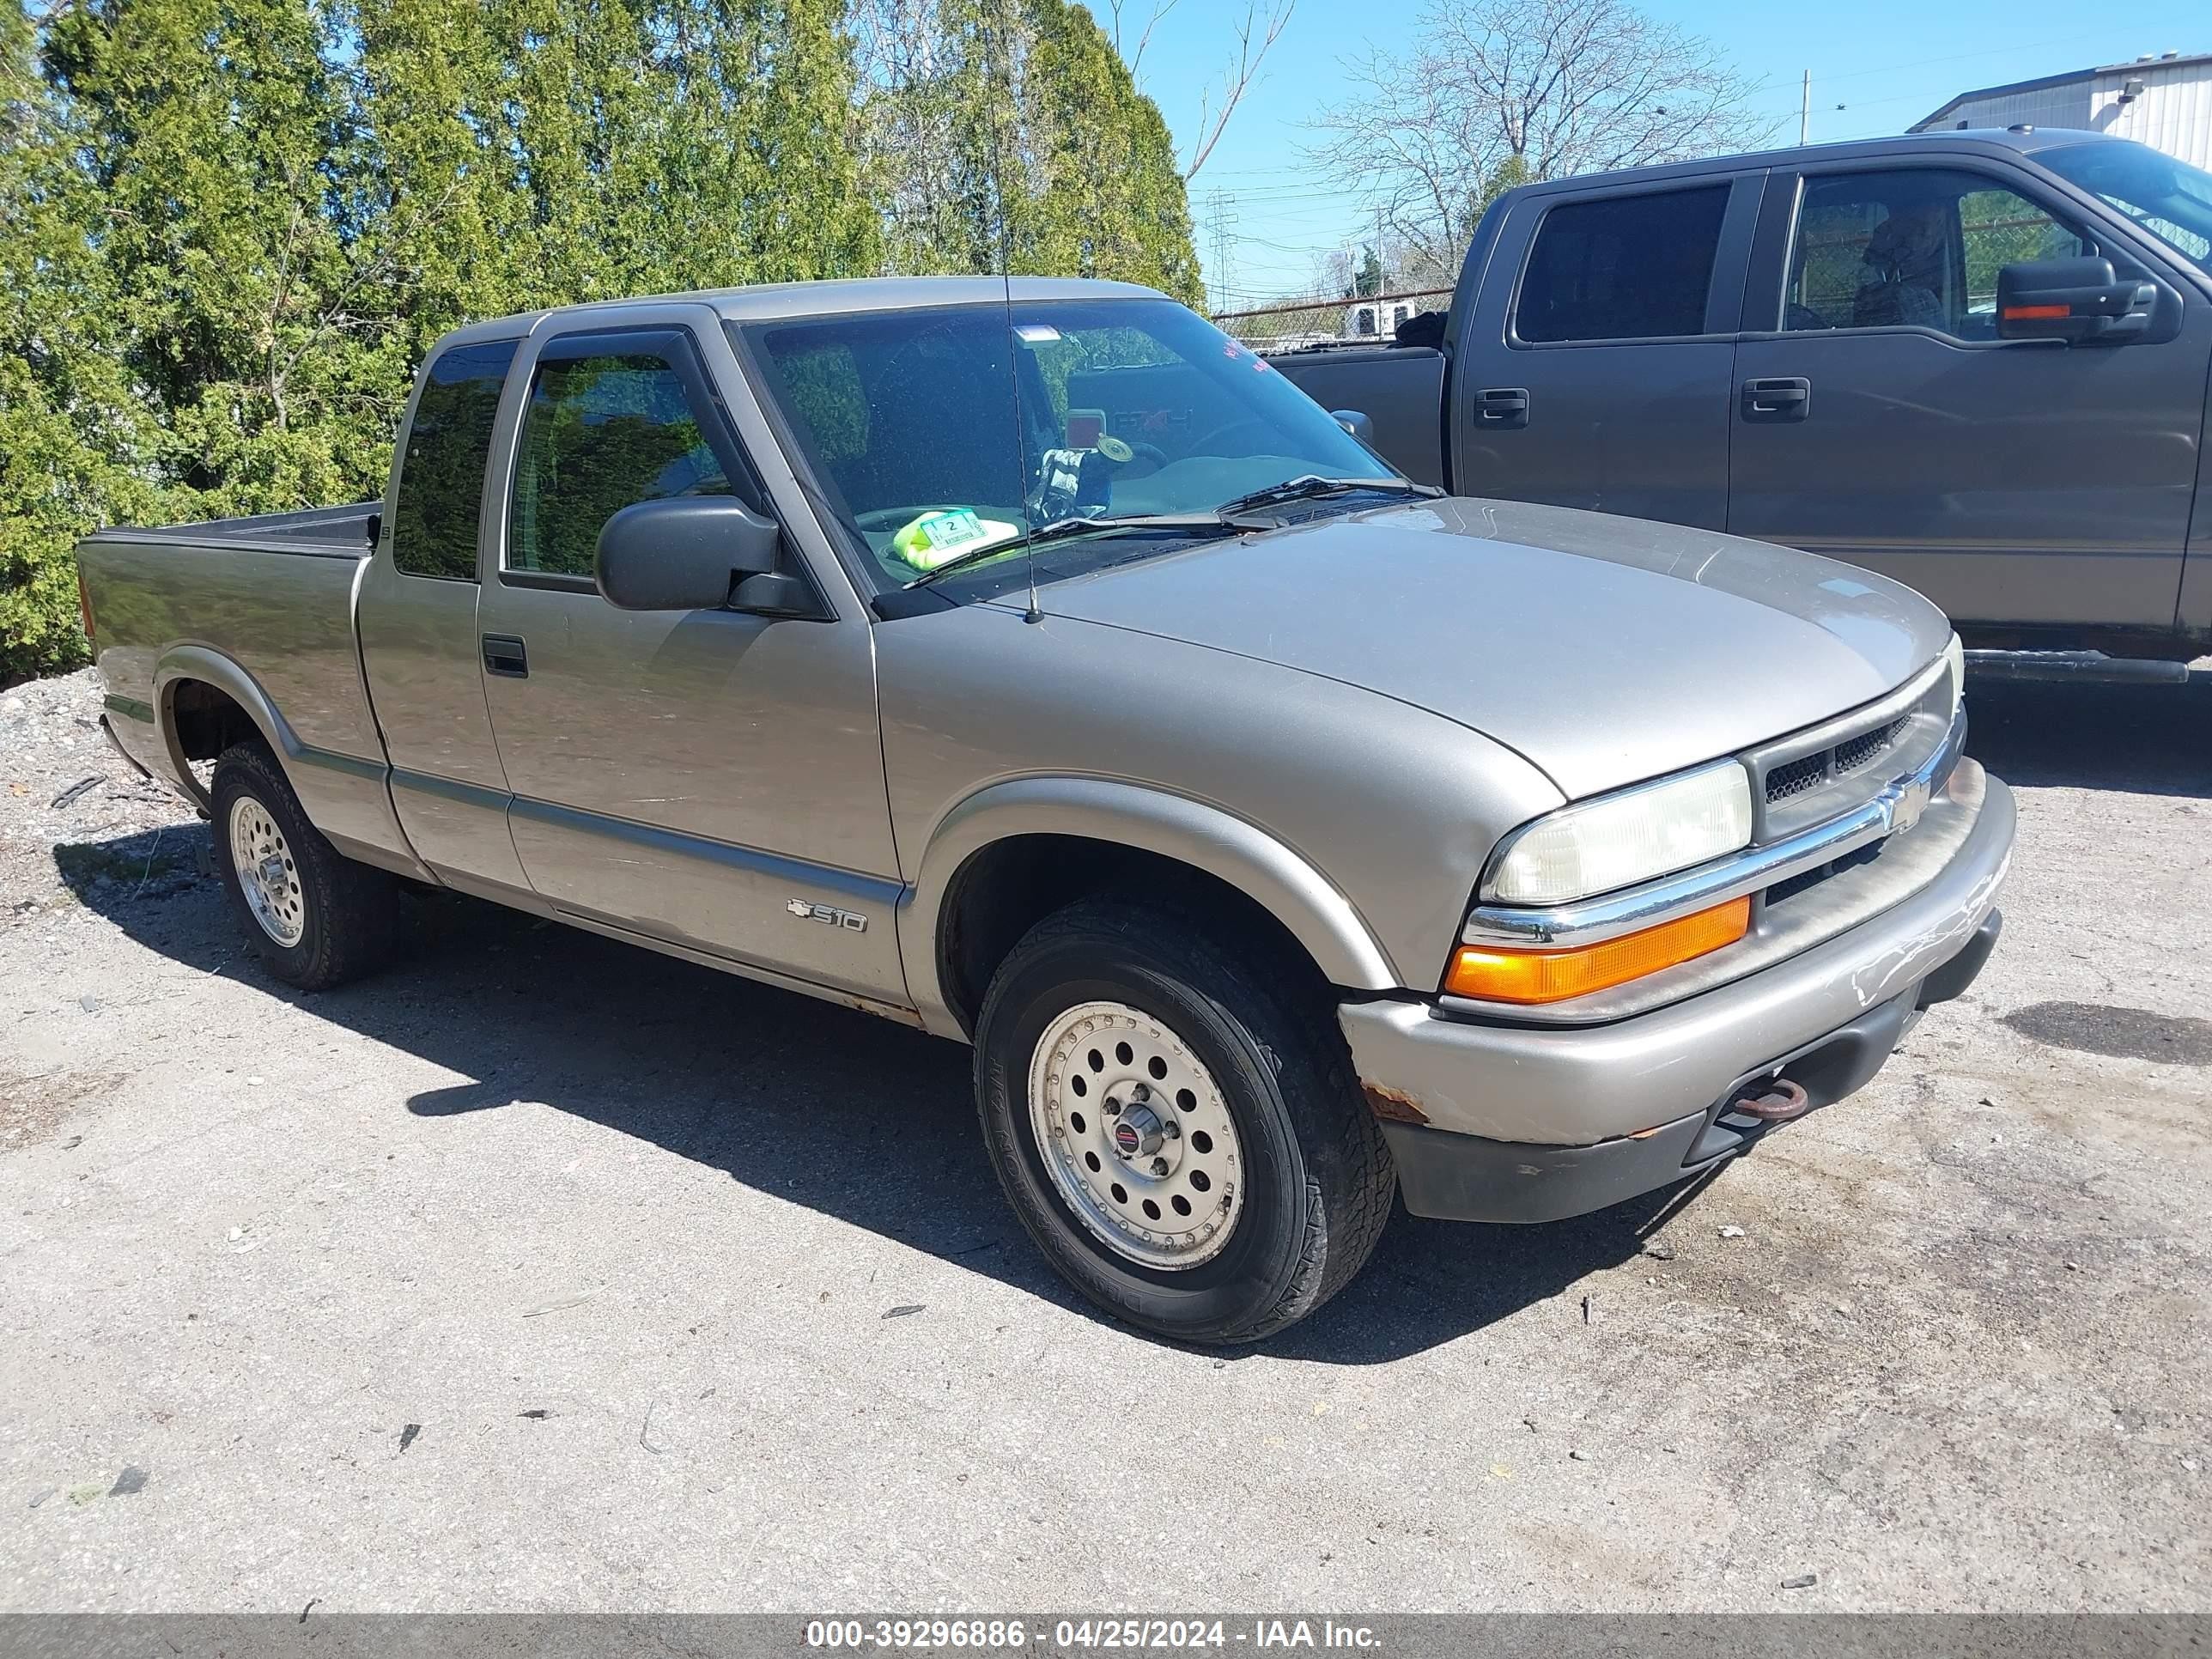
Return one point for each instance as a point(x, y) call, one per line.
point(206, 703)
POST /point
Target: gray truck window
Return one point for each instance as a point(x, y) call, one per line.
point(2168, 198)
point(434, 522)
point(905, 417)
point(602, 433)
point(1912, 247)
point(1622, 267)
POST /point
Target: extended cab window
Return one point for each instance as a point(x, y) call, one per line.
point(611, 423)
point(434, 529)
point(1912, 247)
point(1622, 267)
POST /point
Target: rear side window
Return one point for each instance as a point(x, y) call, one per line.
point(1622, 267)
point(434, 532)
point(611, 423)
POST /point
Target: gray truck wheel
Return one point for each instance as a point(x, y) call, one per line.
point(1176, 1126)
point(313, 915)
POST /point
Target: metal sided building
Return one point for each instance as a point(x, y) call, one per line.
point(2164, 102)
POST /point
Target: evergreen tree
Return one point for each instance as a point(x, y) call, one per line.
point(230, 229)
point(1008, 134)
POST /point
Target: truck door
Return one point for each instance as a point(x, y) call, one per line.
point(708, 779)
point(1879, 419)
point(1595, 370)
point(418, 616)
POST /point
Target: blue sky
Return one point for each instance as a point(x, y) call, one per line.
point(1889, 62)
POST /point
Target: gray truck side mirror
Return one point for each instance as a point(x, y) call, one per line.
point(1355, 421)
point(683, 553)
point(2073, 301)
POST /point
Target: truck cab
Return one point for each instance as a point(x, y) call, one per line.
point(1816, 347)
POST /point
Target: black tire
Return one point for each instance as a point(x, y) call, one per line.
point(1319, 1185)
point(348, 912)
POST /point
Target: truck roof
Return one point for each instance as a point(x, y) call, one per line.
point(2023, 140)
point(769, 301)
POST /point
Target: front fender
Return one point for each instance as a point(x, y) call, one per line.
point(1271, 874)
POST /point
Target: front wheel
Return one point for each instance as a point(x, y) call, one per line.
point(1174, 1120)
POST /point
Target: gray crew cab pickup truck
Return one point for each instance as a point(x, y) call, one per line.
point(1975, 361)
point(1029, 663)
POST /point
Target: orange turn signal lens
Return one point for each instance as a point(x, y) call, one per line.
point(2035, 313)
point(1510, 976)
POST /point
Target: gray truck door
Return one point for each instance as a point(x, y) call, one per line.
point(705, 779)
point(1597, 369)
point(1879, 419)
point(417, 612)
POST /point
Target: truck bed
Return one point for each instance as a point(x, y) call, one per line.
point(1400, 388)
point(260, 610)
point(321, 530)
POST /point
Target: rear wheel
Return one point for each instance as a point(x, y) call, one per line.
point(1172, 1113)
point(317, 918)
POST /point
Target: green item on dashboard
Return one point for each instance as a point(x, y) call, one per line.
point(941, 537)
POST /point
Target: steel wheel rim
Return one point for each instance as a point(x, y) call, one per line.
point(1119, 1102)
point(268, 876)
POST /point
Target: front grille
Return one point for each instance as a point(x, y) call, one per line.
point(1848, 756)
point(1796, 778)
point(1865, 749)
point(1810, 778)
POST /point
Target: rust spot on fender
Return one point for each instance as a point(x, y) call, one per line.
point(1393, 1105)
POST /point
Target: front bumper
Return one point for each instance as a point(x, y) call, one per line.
point(1586, 1116)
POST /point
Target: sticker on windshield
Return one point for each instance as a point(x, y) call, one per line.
point(1036, 333)
point(937, 539)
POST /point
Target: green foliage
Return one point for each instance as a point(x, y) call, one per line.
point(229, 229)
point(1018, 141)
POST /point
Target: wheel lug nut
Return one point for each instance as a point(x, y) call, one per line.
point(1113, 1107)
point(1143, 1093)
point(1159, 1166)
point(1171, 1129)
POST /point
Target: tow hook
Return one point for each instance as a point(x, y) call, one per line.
point(1783, 1101)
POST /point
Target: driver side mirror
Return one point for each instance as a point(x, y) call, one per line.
point(1355, 421)
point(686, 552)
point(2073, 301)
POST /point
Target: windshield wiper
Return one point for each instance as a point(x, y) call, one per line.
point(1177, 524)
point(1309, 485)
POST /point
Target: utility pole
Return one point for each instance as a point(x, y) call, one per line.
point(1220, 212)
point(1805, 111)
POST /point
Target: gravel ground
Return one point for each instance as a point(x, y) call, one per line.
point(544, 1274)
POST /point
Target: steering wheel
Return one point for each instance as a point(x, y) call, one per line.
point(1206, 446)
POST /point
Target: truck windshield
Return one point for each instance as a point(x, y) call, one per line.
point(2168, 198)
point(936, 434)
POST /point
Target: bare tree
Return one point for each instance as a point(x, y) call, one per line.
point(1118, 29)
point(1255, 34)
point(1497, 92)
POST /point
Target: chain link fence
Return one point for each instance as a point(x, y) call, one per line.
point(1295, 323)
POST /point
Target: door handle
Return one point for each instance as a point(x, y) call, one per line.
point(1502, 406)
point(1788, 398)
point(504, 655)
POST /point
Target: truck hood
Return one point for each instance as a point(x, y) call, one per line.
point(1604, 650)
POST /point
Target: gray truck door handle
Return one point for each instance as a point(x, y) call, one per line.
point(504, 655)
point(1788, 397)
point(1502, 405)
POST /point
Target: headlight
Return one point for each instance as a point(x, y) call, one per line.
point(1955, 657)
point(1620, 839)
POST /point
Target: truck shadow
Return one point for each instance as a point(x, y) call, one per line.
point(840, 1111)
point(2151, 739)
